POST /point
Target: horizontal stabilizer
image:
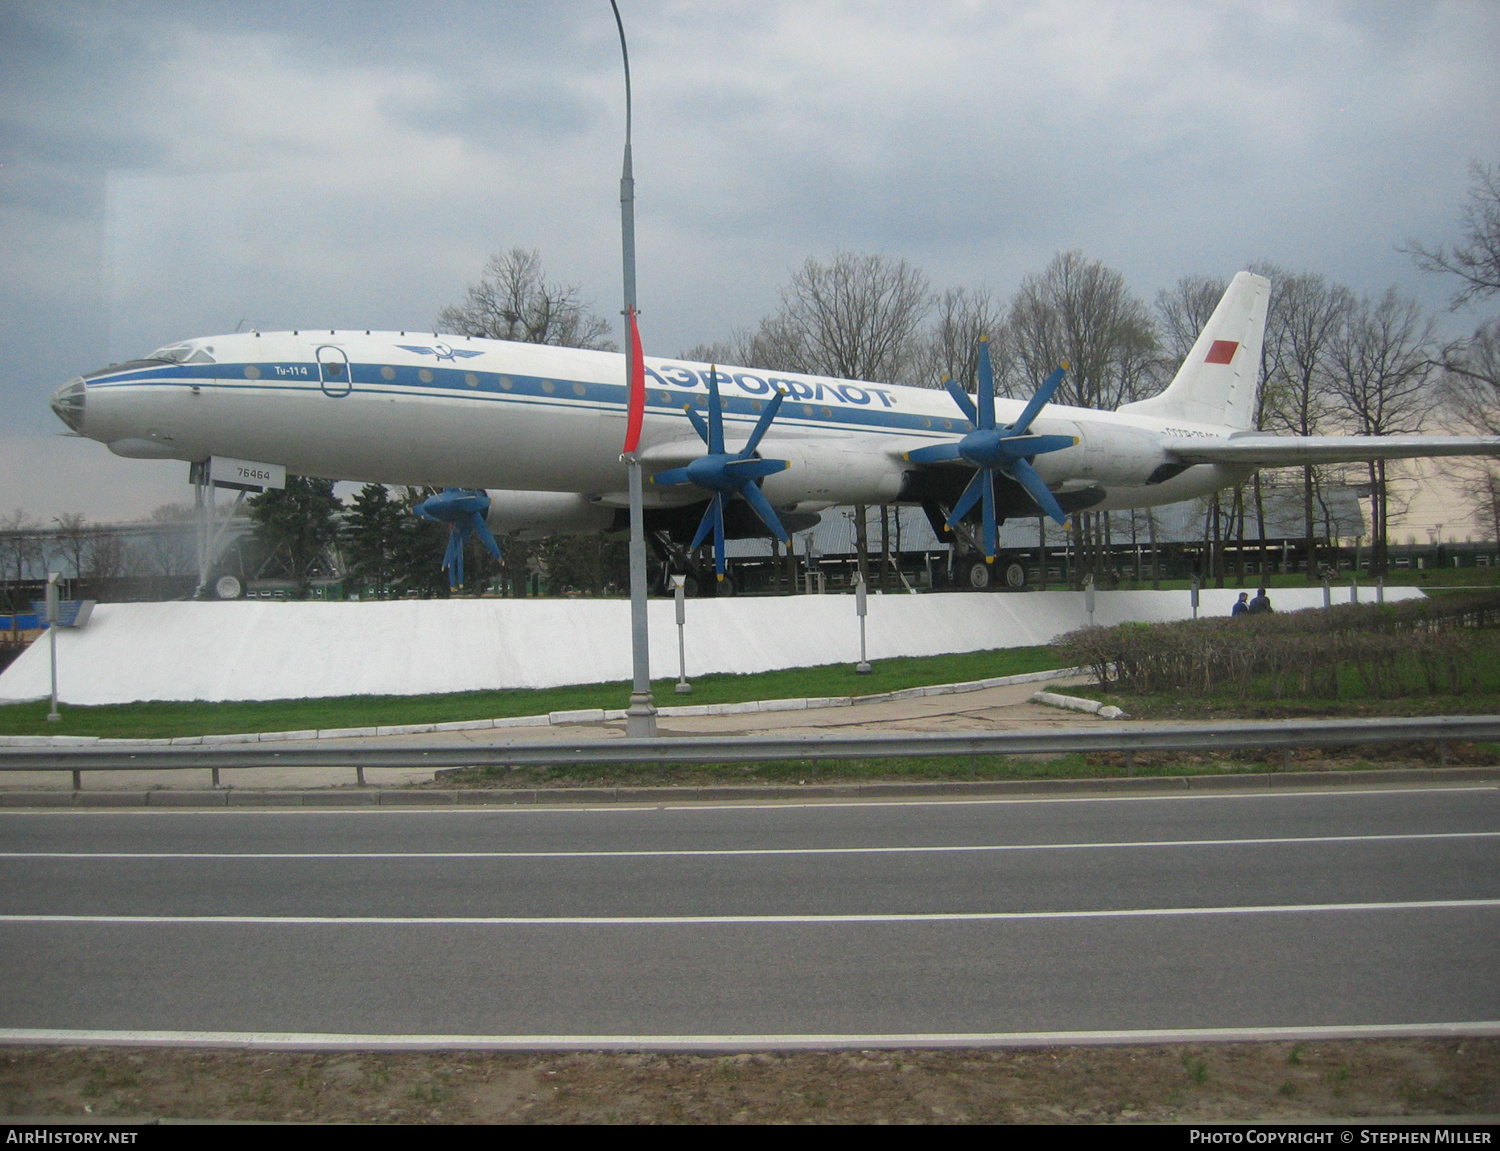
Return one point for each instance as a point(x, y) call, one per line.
point(1262, 451)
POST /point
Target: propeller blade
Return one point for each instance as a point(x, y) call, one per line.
point(935, 454)
point(1024, 447)
point(718, 510)
point(715, 414)
point(757, 500)
point(705, 525)
point(986, 385)
point(1026, 475)
point(961, 398)
point(988, 540)
point(453, 558)
point(742, 471)
point(760, 428)
point(1038, 401)
point(486, 537)
point(970, 496)
point(671, 477)
point(698, 425)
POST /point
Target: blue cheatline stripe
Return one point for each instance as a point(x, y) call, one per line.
point(553, 391)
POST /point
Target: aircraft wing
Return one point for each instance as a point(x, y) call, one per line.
point(1263, 451)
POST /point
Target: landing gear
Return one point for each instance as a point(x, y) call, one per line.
point(979, 575)
point(1015, 576)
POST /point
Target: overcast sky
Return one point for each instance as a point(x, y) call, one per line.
point(175, 169)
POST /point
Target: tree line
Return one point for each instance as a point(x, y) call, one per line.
point(1334, 360)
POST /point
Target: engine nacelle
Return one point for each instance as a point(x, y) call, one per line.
point(824, 473)
point(536, 514)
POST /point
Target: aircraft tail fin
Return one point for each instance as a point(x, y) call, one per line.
point(1217, 382)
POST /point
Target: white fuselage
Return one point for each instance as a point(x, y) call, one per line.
point(458, 412)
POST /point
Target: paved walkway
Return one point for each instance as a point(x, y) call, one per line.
point(992, 709)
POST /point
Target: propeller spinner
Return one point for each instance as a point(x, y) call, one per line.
point(727, 475)
point(990, 449)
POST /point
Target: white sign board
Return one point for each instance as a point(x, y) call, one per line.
point(246, 475)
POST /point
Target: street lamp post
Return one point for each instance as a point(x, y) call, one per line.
point(640, 717)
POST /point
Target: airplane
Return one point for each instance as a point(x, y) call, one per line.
point(538, 429)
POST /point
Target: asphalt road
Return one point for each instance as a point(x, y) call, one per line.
point(859, 922)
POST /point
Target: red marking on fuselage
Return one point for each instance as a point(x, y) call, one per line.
point(1221, 352)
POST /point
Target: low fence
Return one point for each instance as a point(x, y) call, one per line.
point(1258, 735)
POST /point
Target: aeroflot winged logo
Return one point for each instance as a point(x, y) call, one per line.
point(441, 351)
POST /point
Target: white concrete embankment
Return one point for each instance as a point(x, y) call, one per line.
point(265, 650)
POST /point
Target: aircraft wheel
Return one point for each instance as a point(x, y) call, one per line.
point(227, 588)
point(725, 587)
point(1015, 576)
point(979, 575)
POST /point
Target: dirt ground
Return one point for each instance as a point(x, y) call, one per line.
point(1168, 1083)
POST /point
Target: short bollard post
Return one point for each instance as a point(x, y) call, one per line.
point(52, 617)
point(862, 607)
point(1380, 590)
point(1327, 592)
point(1353, 589)
point(1193, 594)
point(679, 594)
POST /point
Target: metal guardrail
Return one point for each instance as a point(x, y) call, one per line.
point(1128, 740)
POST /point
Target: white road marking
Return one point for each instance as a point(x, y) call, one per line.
point(313, 1040)
point(731, 920)
point(752, 851)
point(686, 804)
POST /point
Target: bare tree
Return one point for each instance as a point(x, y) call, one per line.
point(72, 539)
point(20, 546)
point(107, 557)
point(1304, 317)
point(1475, 261)
point(964, 317)
point(1080, 312)
point(513, 300)
point(1380, 366)
point(1470, 384)
point(853, 318)
point(1182, 311)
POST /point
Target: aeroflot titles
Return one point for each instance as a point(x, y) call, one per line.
point(679, 377)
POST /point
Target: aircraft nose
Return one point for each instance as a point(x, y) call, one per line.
point(68, 403)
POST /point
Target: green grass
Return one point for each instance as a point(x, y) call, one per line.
point(155, 720)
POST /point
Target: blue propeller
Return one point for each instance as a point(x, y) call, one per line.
point(727, 475)
point(1008, 450)
point(464, 512)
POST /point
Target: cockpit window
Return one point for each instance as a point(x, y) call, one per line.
point(183, 354)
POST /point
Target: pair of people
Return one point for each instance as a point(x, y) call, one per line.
point(1260, 603)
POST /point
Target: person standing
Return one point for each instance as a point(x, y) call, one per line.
point(1261, 602)
point(1240, 606)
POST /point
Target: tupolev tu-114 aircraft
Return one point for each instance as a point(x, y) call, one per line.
point(731, 452)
